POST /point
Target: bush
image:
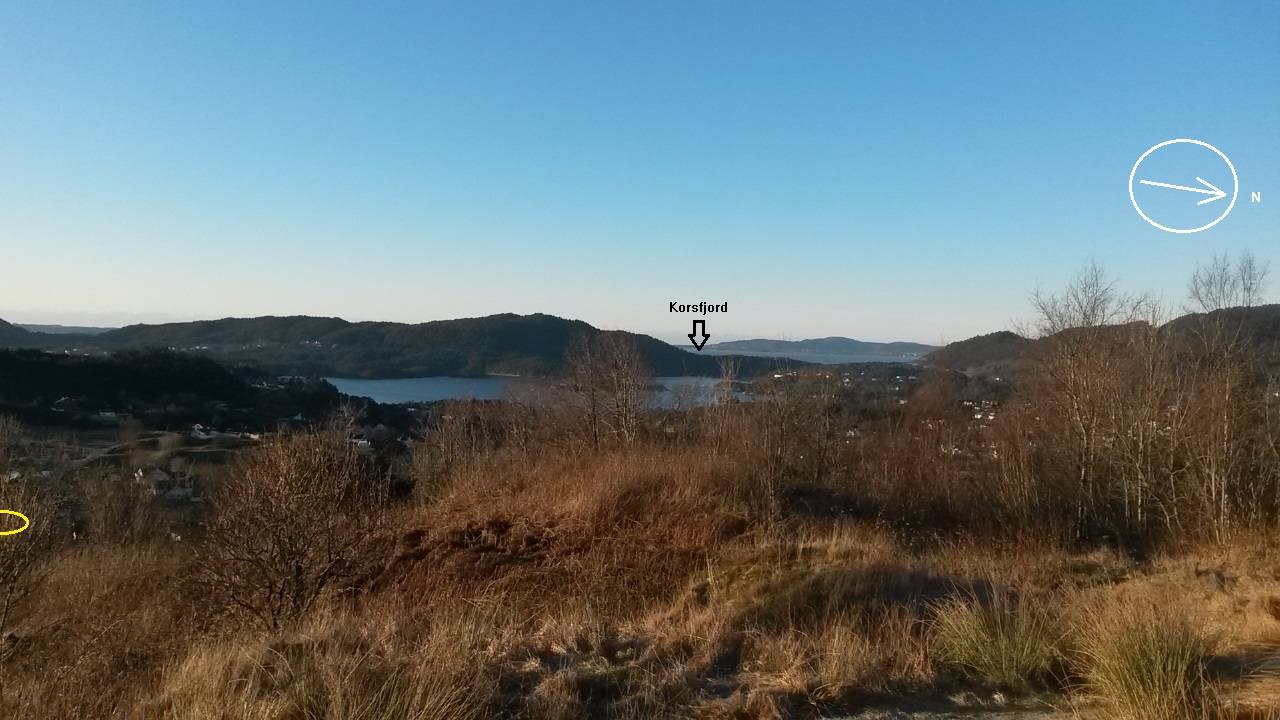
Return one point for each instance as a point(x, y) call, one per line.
point(287, 525)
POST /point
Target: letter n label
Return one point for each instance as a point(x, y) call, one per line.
point(1257, 197)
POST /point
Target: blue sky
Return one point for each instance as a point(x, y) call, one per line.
point(885, 171)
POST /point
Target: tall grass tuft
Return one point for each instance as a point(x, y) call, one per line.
point(1012, 644)
point(1146, 663)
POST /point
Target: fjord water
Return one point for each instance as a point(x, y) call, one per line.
point(676, 391)
point(426, 389)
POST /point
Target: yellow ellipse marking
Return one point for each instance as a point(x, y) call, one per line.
point(26, 522)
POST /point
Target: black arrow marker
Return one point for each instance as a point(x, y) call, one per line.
point(693, 336)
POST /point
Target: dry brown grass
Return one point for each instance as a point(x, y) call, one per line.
point(106, 618)
point(845, 658)
point(337, 666)
point(654, 580)
point(639, 519)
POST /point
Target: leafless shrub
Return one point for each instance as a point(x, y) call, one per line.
point(14, 444)
point(116, 510)
point(460, 434)
point(23, 556)
point(287, 524)
point(720, 414)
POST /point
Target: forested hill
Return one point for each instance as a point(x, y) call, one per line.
point(526, 345)
point(1257, 328)
point(1258, 325)
point(990, 351)
point(14, 336)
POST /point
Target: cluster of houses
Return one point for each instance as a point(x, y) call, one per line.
point(174, 479)
point(984, 411)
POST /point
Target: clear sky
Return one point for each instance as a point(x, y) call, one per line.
point(885, 171)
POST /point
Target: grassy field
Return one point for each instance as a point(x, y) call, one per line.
point(652, 580)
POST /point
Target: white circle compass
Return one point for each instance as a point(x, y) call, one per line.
point(1205, 188)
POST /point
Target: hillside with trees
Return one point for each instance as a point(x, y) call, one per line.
point(1005, 352)
point(162, 389)
point(1221, 309)
point(991, 351)
point(507, 344)
point(14, 336)
point(30, 375)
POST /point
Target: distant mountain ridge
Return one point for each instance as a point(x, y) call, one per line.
point(826, 346)
point(535, 345)
point(507, 344)
point(64, 329)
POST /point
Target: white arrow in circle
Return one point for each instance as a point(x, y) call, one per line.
point(1215, 192)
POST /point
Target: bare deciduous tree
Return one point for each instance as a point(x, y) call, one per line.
point(1253, 279)
point(1228, 418)
point(1143, 427)
point(797, 409)
point(1101, 380)
point(721, 412)
point(612, 385)
point(1222, 284)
